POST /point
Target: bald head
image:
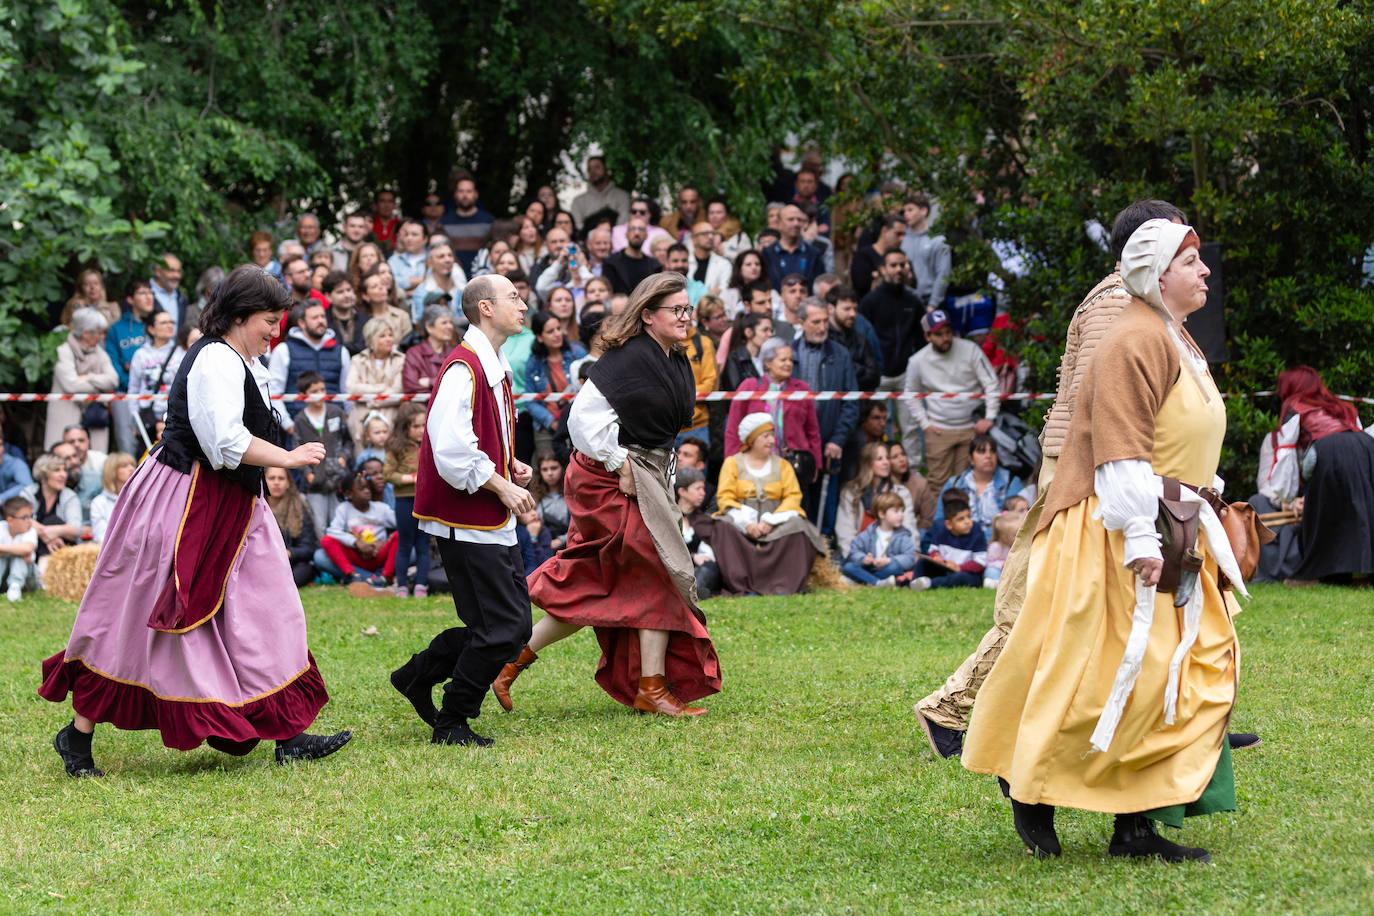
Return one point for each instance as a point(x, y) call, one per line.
point(791, 223)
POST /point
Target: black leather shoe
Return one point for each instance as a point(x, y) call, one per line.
point(311, 747)
point(1135, 836)
point(1035, 826)
point(79, 764)
point(420, 692)
point(461, 734)
point(945, 742)
point(1241, 740)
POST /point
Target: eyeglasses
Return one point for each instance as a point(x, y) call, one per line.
point(515, 296)
point(22, 518)
point(639, 211)
point(681, 311)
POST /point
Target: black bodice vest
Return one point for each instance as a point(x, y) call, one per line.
point(178, 447)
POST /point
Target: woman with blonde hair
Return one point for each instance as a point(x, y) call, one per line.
point(117, 470)
point(854, 512)
point(625, 569)
point(90, 293)
point(376, 371)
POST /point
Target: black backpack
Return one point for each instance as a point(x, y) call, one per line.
point(1018, 447)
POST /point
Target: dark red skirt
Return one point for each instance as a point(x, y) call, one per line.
point(610, 577)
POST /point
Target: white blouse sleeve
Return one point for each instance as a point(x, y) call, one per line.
point(457, 457)
point(595, 427)
point(214, 400)
point(1128, 497)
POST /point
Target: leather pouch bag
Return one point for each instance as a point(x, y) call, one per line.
point(1177, 524)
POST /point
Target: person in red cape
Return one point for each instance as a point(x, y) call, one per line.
point(469, 488)
point(192, 624)
point(625, 569)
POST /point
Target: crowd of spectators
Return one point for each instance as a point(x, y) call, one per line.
point(826, 293)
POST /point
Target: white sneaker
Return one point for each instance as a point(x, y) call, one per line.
point(920, 583)
point(886, 583)
point(14, 592)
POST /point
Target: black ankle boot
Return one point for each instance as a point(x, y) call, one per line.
point(311, 747)
point(413, 683)
point(1135, 835)
point(456, 731)
point(1035, 826)
point(74, 747)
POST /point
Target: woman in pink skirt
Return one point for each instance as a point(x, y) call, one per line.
point(192, 623)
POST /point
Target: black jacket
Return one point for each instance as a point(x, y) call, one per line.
point(895, 312)
point(738, 367)
point(624, 273)
point(868, 370)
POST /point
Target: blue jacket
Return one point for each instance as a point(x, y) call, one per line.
point(14, 472)
point(537, 379)
point(971, 550)
point(837, 419)
point(900, 550)
point(122, 340)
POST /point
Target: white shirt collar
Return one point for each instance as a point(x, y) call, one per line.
point(494, 362)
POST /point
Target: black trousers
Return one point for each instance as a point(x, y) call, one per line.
point(493, 602)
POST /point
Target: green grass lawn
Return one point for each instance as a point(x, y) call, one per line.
point(808, 789)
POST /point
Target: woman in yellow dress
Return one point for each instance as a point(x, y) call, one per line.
point(763, 543)
point(1107, 697)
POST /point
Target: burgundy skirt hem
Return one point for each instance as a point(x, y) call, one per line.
point(187, 723)
point(610, 577)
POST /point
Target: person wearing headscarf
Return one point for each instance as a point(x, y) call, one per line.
point(763, 542)
point(1337, 461)
point(1106, 696)
point(625, 569)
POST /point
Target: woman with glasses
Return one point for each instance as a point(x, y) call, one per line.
point(625, 569)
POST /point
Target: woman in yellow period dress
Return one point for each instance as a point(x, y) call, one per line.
point(1076, 712)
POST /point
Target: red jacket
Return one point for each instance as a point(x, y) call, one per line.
point(800, 427)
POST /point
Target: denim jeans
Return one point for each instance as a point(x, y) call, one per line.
point(864, 576)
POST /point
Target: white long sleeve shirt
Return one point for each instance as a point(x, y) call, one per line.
point(215, 403)
point(453, 441)
point(594, 427)
point(962, 369)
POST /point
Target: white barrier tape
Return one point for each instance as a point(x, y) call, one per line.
point(391, 399)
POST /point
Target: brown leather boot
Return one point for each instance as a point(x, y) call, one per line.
point(654, 696)
point(501, 686)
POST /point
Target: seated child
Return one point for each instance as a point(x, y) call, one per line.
point(1016, 503)
point(533, 537)
point(401, 469)
point(362, 534)
point(324, 422)
point(955, 550)
point(1004, 528)
point(547, 490)
point(18, 547)
point(689, 486)
point(884, 553)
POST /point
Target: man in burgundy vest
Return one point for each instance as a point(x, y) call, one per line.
point(468, 491)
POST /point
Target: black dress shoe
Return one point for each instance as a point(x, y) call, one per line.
point(459, 733)
point(407, 681)
point(311, 747)
point(945, 742)
point(1035, 826)
point(74, 747)
point(1135, 836)
point(1241, 740)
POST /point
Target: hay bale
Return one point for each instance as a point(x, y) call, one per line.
point(69, 571)
point(825, 576)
